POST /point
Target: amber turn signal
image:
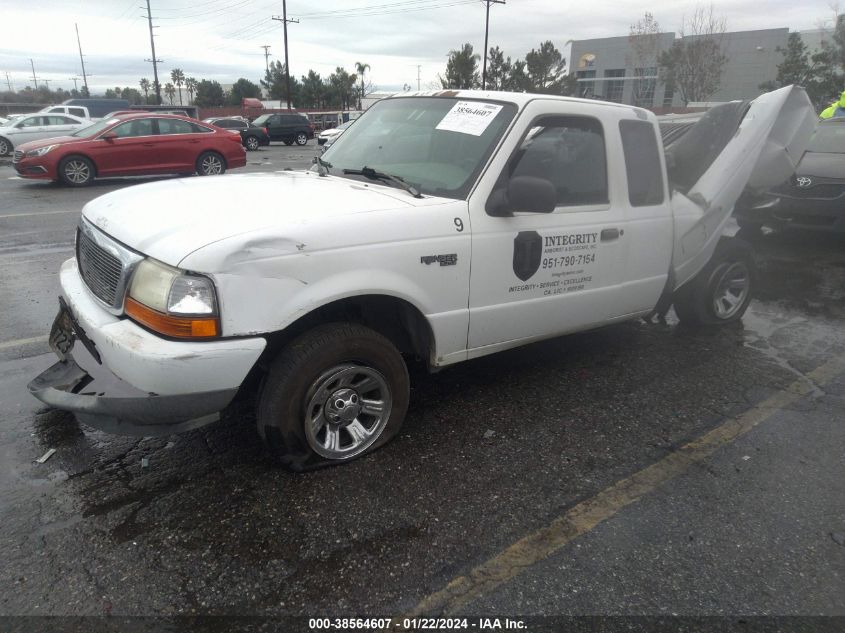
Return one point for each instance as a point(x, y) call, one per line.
point(177, 327)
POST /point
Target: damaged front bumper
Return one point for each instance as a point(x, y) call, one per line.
point(118, 377)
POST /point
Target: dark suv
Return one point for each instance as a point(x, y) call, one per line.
point(252, 136)
point(289, 128)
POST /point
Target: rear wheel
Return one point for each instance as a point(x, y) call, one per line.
point(5, 147)
point(301, 138)
point(76, 171)
point(335, 393)
point(722, 291)
point(252, 143)
point(288, 141)
point(210, 164)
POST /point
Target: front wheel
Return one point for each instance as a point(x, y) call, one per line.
point(5, 146)
point(301, 138)
point(722, 291)
point(76, 171)
point(335, 393)
point(210, 164)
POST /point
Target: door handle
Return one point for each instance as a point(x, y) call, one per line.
point(608, 235)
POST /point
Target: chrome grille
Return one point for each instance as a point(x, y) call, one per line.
point(100, 270)
point(105, 265)
point(18, 156)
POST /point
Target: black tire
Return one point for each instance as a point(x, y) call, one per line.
point(301, 138)
point(5, 147)
point(76, 171)
point(331, 364)
point(288, 141)
point(721, 292)
point(211, 164)
point(252, 143)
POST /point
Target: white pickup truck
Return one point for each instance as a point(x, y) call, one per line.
point(442, 226)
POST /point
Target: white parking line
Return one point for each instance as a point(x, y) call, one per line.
point(23, 341)
point(23, 215)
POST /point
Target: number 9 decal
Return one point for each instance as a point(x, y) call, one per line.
point(459, 224)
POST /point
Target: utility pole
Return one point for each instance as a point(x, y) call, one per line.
point(154, 60)
point(82, 60)
point(34, 78)
point(486, 33)
point(266, 48)
point(9, 82)
point(284, 19)
point(46, 82)
point(419, 67)
point(74, 80)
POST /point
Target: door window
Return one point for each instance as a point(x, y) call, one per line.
point(77, 112)
point(137, 127)
point(59, 120)
point(33, 121)
point(569, 152)
point(174, 126)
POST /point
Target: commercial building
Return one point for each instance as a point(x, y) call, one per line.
point(608, 68)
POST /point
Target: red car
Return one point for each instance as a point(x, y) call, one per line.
point(136, 144)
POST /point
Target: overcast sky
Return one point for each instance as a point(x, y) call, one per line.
point(222, 39)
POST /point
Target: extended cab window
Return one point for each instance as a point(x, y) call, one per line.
point(77, 112)
point(642, 163)
point(570, 153)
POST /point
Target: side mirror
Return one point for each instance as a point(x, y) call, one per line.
point(524, 193)
point(109, 136)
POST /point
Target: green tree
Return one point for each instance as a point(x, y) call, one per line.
point(170, 91)
point(462, 69)
point(209, 93)
point(360, 69)
point(178, 78)
point(829, 63)
point(545, 69)
point(145, 86)
point(275, 83)
point(191, 87)
point(498, 70)
point(695, 62)
point(342, 91)
point(243, 88)
point(797, 68)
point(313, 90)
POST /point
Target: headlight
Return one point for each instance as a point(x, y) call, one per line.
point(172, 302)
point(40, 151)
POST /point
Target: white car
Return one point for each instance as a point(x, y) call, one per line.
point(34, 127)
point(332, 133)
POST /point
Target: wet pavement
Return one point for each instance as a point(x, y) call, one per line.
point(492, 450)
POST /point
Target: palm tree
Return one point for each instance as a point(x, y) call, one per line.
point(145, 86)
point(191, 86)
point(178, 77)
point(170, 91)
point(361, 69)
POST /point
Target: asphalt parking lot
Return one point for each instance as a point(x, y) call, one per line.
point(636, 470)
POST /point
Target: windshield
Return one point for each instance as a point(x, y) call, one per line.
point(260, 121)
point(828, 139)
point(93, 130)
point(438, 145)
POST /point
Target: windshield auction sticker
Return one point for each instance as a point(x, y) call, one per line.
point(469, 117)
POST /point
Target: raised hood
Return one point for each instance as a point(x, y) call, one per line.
point(168, 220)
point(763, 152)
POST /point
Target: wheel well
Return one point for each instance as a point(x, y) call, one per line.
point(397, 320)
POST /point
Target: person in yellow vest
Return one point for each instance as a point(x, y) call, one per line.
point(835, 109)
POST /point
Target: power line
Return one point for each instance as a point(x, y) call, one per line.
point(423, 4)
point(486, 34)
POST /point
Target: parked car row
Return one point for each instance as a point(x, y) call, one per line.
point(135, 144)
